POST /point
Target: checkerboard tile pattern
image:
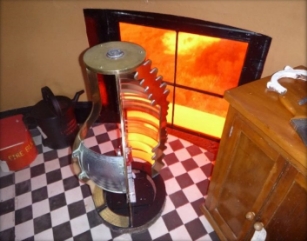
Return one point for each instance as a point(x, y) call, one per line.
point(46, 201)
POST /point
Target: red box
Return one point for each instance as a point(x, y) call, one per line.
point(17, 148)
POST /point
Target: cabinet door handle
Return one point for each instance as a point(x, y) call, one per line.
point(250, 215)
point(258, 226)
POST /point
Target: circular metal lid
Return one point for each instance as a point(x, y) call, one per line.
point(114, 57)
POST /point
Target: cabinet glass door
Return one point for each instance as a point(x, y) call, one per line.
point(252, 168)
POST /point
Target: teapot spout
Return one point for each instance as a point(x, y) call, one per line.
point(77, 95)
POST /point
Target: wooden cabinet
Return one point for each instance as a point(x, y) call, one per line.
point(260, 172)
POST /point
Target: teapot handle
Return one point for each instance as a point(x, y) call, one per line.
point(51, 100)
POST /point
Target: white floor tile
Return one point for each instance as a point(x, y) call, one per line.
point(23, 200)
point(192, 193)
point(55, 188)
point(100, 230)
point(197, 175)
point(157, 229)
point(38, 182)
point(38, 160)
point(123, 237)
point(114, 134)
point(171, 186)
point(168, 206)
point(67, 171)
point(106, 147)
point(40, 208)
point(22, 175)
point(64, 151)
point(7, 221)
point(79, 225)
point(177, 169)
point(73, 194)
point(182, 154)
point(46, 235)
point(24, 230)
point(52, 165)
point(187, 213)
point(180, 233)
point(90, 142)
point(59, 216)
point(7, 193)
point(201, 160)
point(206, 224)
point(99, 129)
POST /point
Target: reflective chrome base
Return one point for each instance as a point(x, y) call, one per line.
point(123, 217)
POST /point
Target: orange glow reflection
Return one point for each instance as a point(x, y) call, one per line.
point(203, 62)
point(188, 43)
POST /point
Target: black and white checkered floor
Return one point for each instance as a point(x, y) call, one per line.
point(46, 201)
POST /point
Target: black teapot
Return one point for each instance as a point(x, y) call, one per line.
point(55, 118)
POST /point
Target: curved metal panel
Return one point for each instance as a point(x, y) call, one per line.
point(107, 172)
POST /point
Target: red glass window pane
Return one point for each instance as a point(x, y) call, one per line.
point(209, 64)
point(152, 40)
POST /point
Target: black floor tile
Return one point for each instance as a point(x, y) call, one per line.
point(39, 194)
point(94, 219)
point(7, 206)
point(116, 143)
point(165, 237)
point(8, 234)
point(23, 215)
point(176, 145)
point(178, 198)
point(102, 138)
point(184, 180)
point(42, 223)
point(50, 155)
point(7, 180)
point(203, 186)
point(86, 236)
point(210, 156)
point(170, 159)
point(23, 187)
point(54, 176)
point(65, 160)
point(95, 149)
point(196, 206)
point(62, 232)
point(70, 182)
point(207, 169)
point(189, 164)
point(194, 150)
point(29, 239)
point(86, 191)
point(172, 220)
point(196, 229)
point(166, 173)
point(57, 201)
point(214, 236)
point(76, 209)
point(37, 170)
point(111, 126)
point(90, 133)
point(141, 236)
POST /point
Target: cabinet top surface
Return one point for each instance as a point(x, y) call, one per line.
point(265, 110)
